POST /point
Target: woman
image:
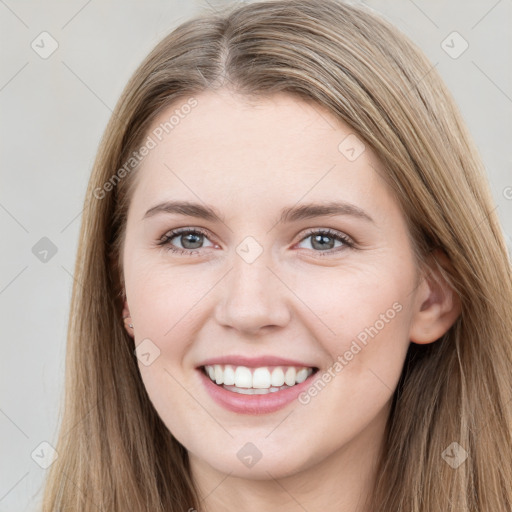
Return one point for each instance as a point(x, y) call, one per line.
point(292, 289)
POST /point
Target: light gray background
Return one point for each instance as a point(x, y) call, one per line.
point(53, 113)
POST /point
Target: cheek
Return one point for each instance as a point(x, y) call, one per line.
point(163, 300)
point(164, 303)
point(361, 319)
point(355, 303)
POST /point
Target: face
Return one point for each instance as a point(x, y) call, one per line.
point(291, 261)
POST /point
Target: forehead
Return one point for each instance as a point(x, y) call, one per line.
point(255, 154)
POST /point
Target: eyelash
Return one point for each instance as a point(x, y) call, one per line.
point(164, 242)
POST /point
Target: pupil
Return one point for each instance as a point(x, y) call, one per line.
point(322, 241)
point(188, 241)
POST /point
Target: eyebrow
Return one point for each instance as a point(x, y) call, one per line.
point(289, 214)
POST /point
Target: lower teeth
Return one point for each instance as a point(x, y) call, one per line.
point(254, 391)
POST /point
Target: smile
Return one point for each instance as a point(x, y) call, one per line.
point(255, 390)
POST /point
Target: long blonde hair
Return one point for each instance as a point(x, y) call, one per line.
point(114, 452)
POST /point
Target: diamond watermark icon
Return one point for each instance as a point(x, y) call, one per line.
point(44, 45)
point(44, 455)
point(249, 249)
point(351, 147)
point(454, 45)
point(249, 455)
point(44, 250)
point(147, 352)
point(454, 455)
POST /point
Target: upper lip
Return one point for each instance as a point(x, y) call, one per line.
point(254, 362)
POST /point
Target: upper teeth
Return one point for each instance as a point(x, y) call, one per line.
point(259, 378)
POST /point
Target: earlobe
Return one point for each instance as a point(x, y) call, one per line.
point(128, 324)
point(438, 305)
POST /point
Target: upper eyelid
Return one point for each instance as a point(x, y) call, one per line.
point(173, 233)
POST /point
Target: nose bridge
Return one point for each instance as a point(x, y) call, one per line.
point(252, 297)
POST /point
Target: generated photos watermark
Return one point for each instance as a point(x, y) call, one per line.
point(358, 343)
point(151, 142)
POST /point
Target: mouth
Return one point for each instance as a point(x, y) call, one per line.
point(262, 380)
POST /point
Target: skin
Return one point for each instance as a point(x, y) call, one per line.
point(248, 160)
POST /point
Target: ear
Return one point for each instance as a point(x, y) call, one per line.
point(128, 324)
point(438, 305)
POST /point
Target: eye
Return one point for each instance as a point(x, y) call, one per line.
point(189, 239)
point(324, 241)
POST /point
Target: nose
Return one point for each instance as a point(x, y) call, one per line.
point(253, 299)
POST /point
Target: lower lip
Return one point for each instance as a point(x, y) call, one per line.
point(254, 404)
